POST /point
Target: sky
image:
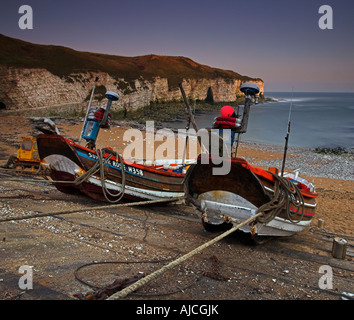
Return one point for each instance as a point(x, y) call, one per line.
point(279, 41)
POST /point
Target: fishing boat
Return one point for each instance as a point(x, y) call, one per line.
point(287, 200)
point(103, 174)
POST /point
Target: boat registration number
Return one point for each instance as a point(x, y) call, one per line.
point(116, 164)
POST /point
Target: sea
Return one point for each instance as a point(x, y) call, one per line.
point(317, 120)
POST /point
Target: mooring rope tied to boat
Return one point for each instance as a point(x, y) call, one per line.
point(98, 166)
point(123, 293)
point(264, 214)
point(286, 193)
point(112, 206)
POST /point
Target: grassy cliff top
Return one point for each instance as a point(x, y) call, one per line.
point(63, 61)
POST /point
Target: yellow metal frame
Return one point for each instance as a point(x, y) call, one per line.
point(28, 150)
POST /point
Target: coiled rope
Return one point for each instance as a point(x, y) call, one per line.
point(286, 193)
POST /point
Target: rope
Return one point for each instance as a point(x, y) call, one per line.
point(286, 193)
point(123, 293)
point(44, 214)
point(98, 166)
point(155, 261)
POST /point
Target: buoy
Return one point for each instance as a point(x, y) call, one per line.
point(227, 111)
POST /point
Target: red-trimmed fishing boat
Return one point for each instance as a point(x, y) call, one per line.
point(224, 200)
point(103, 174)
point(68, 161)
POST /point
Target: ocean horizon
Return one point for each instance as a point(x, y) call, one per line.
point(317, 120)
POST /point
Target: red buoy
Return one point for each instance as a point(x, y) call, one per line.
point(227, 111)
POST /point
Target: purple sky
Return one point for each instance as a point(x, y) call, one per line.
point(278, 41)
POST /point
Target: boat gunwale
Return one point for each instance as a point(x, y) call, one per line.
point(127, 162)
point(262, 173)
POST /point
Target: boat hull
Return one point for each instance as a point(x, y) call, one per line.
point(236, 197)
point(68, 161)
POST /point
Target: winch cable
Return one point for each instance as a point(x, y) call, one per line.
point(100, 288)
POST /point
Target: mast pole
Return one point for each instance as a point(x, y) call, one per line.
point(287, 136)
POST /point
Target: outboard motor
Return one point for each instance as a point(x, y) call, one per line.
point(98, 118)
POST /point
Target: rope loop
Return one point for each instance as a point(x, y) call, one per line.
point(99, 167)
point(286, 193)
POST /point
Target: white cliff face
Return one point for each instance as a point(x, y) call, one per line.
point(22, 88)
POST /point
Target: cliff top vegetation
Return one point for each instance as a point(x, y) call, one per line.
point(63, 61)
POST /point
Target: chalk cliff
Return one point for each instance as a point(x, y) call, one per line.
point(33, 76)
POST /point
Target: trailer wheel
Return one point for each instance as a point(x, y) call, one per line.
point(216, 227)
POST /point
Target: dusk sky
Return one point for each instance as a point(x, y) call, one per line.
point(278, 41)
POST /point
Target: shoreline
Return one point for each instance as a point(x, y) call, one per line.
point(333, 166)
point(310, 162)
